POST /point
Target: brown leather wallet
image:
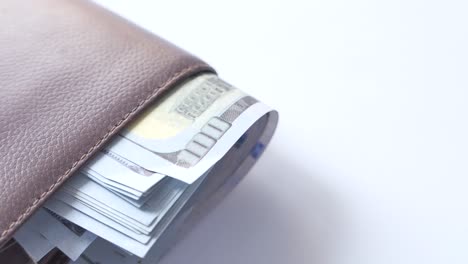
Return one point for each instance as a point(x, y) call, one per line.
point(71, 76)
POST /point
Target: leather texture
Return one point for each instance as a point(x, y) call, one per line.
point(72, 74)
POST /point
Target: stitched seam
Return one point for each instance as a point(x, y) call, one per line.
point(84, 156)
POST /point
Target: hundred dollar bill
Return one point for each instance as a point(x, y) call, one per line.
point(123, 174)
point(142, 219)
point(70, 238)
point(127, 239)
point(190, 129)
point(33, 242)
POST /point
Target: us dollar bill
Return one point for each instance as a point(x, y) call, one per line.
point(59, 232)
point(124, 175)
point(189, 130)
point(133, 192)
point(122, 236)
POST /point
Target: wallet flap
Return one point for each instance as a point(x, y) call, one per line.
point(71, 76)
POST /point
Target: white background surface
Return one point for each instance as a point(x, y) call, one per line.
point(369, 161)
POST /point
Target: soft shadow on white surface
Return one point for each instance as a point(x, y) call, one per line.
point(261, 221)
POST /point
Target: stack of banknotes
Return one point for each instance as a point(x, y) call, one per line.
point(120, 205)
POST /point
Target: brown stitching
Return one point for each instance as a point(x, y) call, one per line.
point(65, 175)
